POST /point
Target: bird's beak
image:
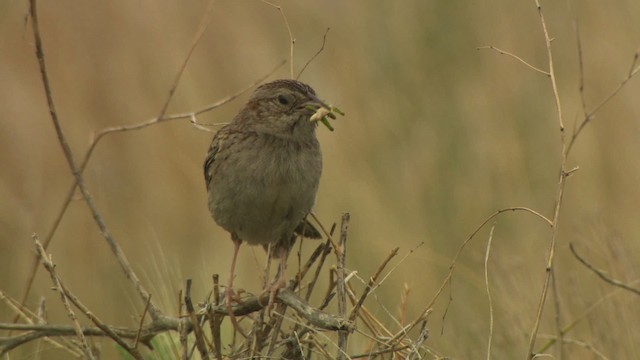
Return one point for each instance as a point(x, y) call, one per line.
point(320, 108)
point(321, 111)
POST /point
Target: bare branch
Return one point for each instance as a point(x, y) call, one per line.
point(601, 274)
point(66, 294)
point(324, 40)
point(590, 115)
point(342, 300)
point(46, 260)
point(106, 233)
point(504, 52)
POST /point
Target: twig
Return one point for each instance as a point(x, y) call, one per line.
point(325, 252)
point(342, 299)
point(324, 40)
point(384, 278)
point(197, 329)
point(427, 308)
point(215, 319)
point(25, 314)
point(601, 274)
point(328, 234)
point(204, 23)
point(46, 260)
point(183, 330)
point(291, 39)
point(144, 313)
point(558, 318)
point(370, 284)
point(35, 332)
point(504, 52)
point(486, 282)
point(581, 70)
point(424, 335)
point(589, 116)
point(107, 330)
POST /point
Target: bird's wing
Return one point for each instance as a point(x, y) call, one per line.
point(218, 138)
point(306, 229)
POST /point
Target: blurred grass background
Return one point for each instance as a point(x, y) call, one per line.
point(438, 136)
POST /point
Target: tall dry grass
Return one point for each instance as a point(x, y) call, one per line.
point(438, 136)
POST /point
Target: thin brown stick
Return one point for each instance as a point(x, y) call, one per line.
point(316, 275)
point(26, 315)
point(590, 115)
point(115, 248)
point(292, 41)
point(77, 303)
point(197, 329)
point(328, 234)
point(46, 260)
point(214, 319)
point(183, 330)
point(504, 52)
point(582, 316)
point(557, 317)
point(144, 314)
point(324, 40)
point(581, 73)
point(342, 299)
point(601, 274)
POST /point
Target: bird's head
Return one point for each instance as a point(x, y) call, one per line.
point(283, 108)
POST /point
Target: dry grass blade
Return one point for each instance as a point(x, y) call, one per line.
point(486, 282)
point(427, 309)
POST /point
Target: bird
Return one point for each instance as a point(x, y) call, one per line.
point(262, 171)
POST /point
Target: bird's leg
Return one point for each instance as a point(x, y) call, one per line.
point(229, 293)
point(281, 278)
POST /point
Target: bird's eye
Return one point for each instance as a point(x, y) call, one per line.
point(283, 100)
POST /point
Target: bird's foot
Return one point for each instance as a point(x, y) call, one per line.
point(231, 297)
